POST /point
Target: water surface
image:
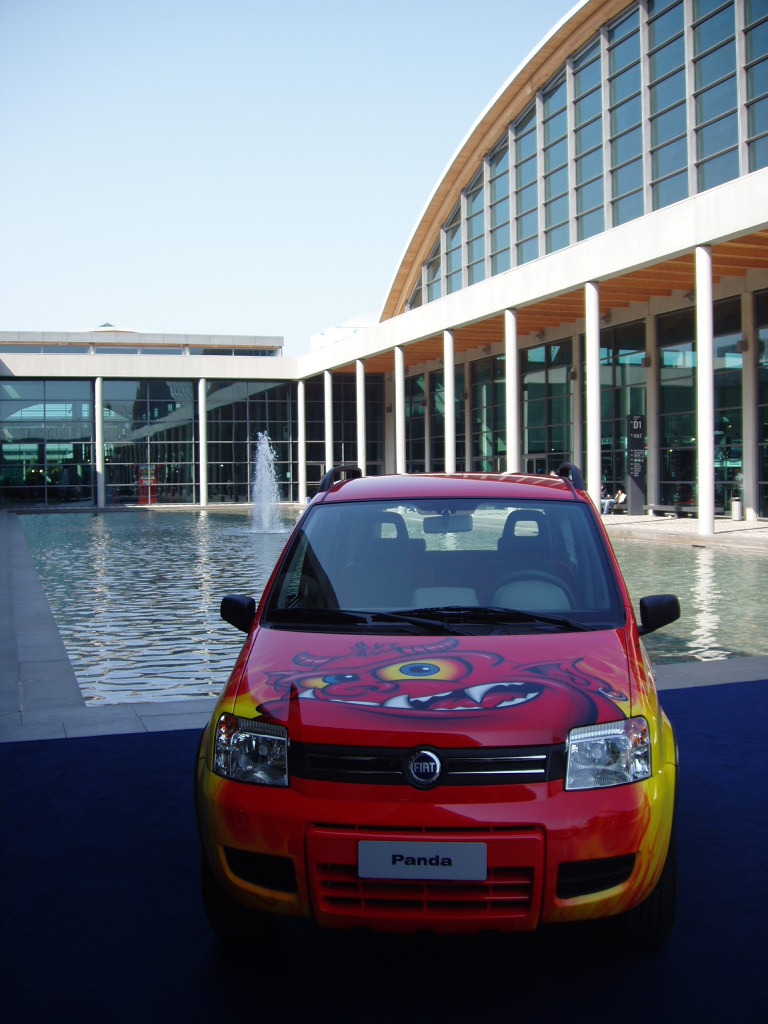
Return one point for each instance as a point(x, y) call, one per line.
point(136, 596)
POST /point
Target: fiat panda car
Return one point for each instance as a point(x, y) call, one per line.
point(443, 717)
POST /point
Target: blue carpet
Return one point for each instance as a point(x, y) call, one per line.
point(102, 921)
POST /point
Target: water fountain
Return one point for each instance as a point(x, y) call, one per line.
point(264, 492)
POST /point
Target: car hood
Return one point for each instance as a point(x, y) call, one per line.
point(489, 691)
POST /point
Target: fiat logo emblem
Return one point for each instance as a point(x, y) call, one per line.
point(423, 768)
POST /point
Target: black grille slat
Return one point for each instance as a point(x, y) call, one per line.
point(376, 766)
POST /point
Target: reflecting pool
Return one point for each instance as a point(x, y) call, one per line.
point(136, 596)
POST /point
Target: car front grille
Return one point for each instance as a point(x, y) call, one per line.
point(510, 896)
point(466, 767)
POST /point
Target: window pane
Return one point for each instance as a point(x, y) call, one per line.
point(527, 251)
point(666, 26)
point(758, 154)
point(500, 213)
point(624, 53)
point(586, 78)
point(626, 147)
point(628, 209)
point(717, 136)
point(670, 158)
point(757, 79)
point(715, 65)
point(625, 84)
point(590, 224)
point(671, 190)
point(500, 238)
point(555, 128)
point(589, 107)
point(758, 118)
point(556, 184)
point(526, 172)
point(669, 58)
point(628, 178)
point(720, 169)
point(713, 31)
point(501, 262)
point(554, 100)
point(589, 166)
point(588, 137)
point(500, 187)
point(528, 225)
point(667, 92)
point(757, 41)
point(668, 125)
point(557, 211)
point(525, 146)
point(527, 199)
point(556, 156)
point(558, 238)
point(590, 196)
point(626, 116)
point(715, 101)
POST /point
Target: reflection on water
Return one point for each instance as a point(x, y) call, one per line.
point(721, 598)
point(136, 597)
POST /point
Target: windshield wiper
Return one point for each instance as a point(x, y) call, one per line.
point(323, 618)
point(499, 615)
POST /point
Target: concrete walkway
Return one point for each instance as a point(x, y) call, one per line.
point(40, 698)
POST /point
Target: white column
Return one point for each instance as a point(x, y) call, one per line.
point(360, 396)
point(202, 434)
point(749, 406)
point(705, 391)
point(328, 402)
point(512, 390)
point(399, 409)
point(99, 441)
point(652, 376)
point(301, 426)
point(449, 389)
point(594, 423)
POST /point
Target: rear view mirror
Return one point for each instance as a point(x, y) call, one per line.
point(238, 611)
point(658, 611)
point(449, 522)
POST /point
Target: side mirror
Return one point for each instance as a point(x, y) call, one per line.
point(238, 611)
point(658, 611)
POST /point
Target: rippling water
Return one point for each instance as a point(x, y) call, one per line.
point(136, 597)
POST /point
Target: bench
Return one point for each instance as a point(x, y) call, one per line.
point(678, 510)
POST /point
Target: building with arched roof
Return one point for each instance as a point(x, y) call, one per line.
point(587, 282)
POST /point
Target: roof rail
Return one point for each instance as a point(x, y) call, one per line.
point(349, 470)
point(572, 474)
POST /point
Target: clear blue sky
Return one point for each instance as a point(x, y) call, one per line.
point(231, 166)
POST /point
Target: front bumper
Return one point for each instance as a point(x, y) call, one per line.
point(552, 855)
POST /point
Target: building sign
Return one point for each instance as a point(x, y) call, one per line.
point(636, 446)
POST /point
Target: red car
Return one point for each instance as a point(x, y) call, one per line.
point(443, 718)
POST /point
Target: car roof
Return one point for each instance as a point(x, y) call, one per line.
point(489, 486)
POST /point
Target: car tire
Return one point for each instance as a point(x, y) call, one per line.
point(648, 925)
point(232, 922)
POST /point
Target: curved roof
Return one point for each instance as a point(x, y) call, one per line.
point(576, 28)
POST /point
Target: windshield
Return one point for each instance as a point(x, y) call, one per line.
point(451, 563)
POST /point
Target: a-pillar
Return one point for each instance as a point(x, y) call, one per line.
point(328, 402)
point(592, 361)
point(301, 415)
point(360, 396)
point(399, 409)
point(449, 390)
point(705, 391)
point(202, 436)
point(512, 390)
point(98, 401)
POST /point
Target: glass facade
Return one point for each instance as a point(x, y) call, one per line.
point(761, 329)
point(547, 392)
point(651, 110)
point(489, 434)
point(622, 394)
point(678, 400)
point(437, 420)
point(415, 420)
point(46, 453)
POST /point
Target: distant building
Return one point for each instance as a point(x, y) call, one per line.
point(597, 249)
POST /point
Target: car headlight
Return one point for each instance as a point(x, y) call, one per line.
point(612, 754)
point(251, 751)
